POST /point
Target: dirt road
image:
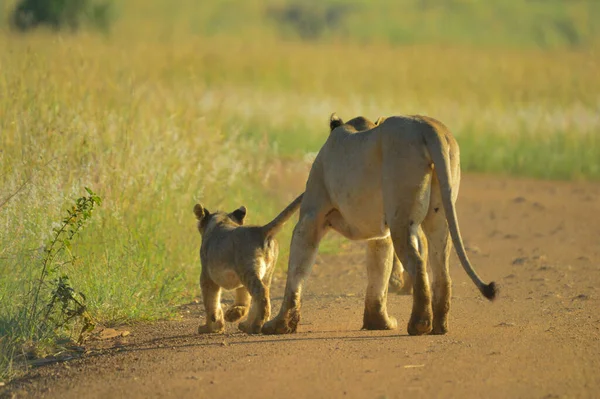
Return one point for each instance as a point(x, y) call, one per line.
point(541, 339)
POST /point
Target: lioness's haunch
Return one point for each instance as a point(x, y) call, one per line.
point(392, 184)
point(240, 258)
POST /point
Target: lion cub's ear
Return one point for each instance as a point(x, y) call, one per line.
point(200, 212)
point(379, 120)
point(238, 215)
point(335, 121)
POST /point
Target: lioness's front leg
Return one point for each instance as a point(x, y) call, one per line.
point(380, 255)
point(211, 296)
point(305, 244)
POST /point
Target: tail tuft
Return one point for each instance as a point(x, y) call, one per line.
point(490, 291)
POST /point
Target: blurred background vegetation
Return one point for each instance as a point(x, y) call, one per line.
point(506, 23)
point(158, 104)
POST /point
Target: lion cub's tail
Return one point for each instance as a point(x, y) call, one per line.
point(272, 228)
point(437, 148)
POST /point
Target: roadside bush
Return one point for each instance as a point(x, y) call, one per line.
point(61, 14)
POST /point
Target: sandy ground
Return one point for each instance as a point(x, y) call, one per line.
point(541, 339)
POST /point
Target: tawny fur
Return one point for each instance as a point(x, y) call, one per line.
point(240, 258)
point(392, 184)
point(400, 281)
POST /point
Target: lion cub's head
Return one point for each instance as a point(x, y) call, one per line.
point(206, 219)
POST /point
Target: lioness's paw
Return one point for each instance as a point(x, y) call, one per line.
point(440, 327)
point(277, 326)
point(419, 326)
point(235, 313)
point(392, 323)
point(379, 322)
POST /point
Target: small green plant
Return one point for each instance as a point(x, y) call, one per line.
point(51, 307)
point(63, 305)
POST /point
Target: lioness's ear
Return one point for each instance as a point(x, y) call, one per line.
point(239, 214)
point(335, 121)
point(379, 120)
point(200, 212)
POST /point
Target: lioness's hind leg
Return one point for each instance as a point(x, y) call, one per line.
point(436, 228)
point(211, 296)
point(421, 315)
point(400, 281)
point(406, 202)
point(380, 254)
point(240, 305)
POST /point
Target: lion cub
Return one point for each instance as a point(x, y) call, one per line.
point(240, 258)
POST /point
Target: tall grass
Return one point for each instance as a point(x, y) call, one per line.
point(75, 117)
point(164, 113)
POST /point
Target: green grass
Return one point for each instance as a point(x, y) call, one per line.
point(505, 23)
point(551, 156)
point(549, 24)
point(187, 102)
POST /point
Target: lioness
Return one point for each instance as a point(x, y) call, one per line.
point(240, 258)
point(400, 281)
point(387, 184)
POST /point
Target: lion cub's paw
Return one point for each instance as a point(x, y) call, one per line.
point(250, 328)
point(235, 313)
point(208, 329)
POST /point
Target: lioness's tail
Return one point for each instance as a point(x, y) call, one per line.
point(276, 224)
point(437, 149)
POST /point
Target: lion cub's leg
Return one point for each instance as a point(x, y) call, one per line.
point(211, 296)
point(380, 254)
point(271, 261)
point(260, 308)
point(240, 305)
